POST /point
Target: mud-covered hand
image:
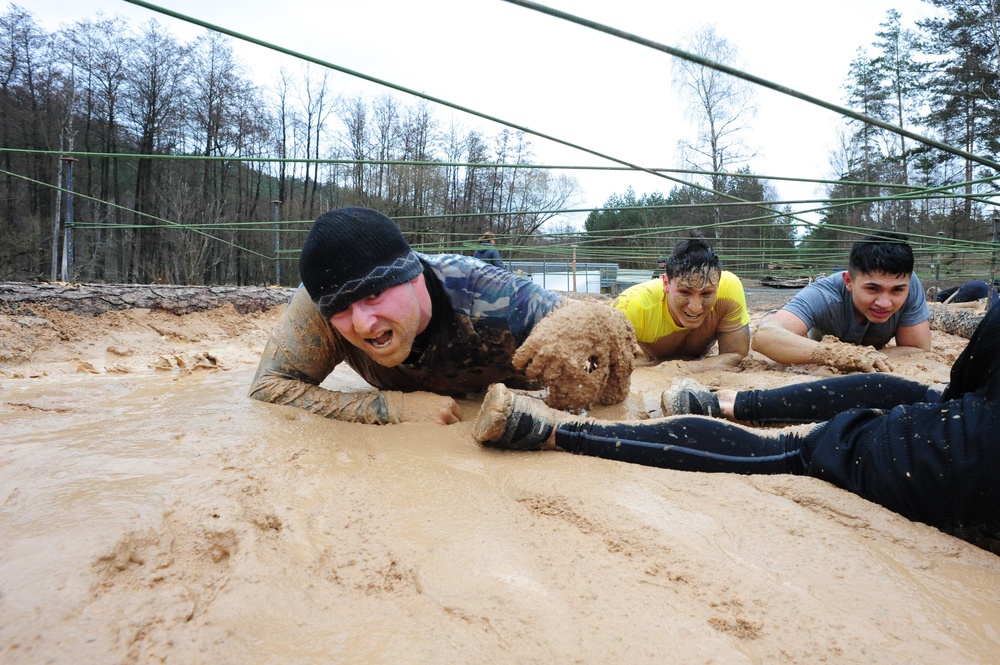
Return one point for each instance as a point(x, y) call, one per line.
point(850, 357)
point(583, 352)
point(422, 407)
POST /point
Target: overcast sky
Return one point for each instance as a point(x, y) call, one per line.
point(559, 78)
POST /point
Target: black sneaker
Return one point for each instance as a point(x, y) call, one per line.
point(688, 397)
point(512, 421)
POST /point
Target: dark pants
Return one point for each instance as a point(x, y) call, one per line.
point(932, 458)
point(817, 401)
point(686, 443)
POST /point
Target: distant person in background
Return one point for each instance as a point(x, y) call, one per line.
point(845, 319)
point(488, 253)
point(969, 292)
point(661, 267)
point(679, 315)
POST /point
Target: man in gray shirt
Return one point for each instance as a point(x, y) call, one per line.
point(846, 319)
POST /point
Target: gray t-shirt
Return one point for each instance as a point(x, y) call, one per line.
point(826, 307)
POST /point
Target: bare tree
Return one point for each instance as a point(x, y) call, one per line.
point(386, 140)
point(155, 97)
point(539, 197)
point(721, 105)
point(283, 118)
point(33, 98)
point(217, 83)
point(99, 50)
point(475, 176)
point(354, 115)
point(314, 113)
point(419, 133)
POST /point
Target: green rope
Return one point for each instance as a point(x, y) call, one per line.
point(473, 165)
point(915, 191)
point(135, 212)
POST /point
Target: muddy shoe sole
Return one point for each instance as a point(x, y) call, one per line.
point(511, 421)
point(688, 397)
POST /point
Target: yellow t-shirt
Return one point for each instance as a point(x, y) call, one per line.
point(645, 305)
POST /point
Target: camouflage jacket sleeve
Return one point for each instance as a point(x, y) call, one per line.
point(301, 352)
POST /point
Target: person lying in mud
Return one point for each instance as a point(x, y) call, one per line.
point(969, 292)
point(694, 304)
point(928, 454)
point(846, 319)
point(423, 329)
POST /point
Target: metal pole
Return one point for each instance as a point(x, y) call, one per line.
point(67, 257)
point(277, 241)
point(54, 275)
point(574, 267)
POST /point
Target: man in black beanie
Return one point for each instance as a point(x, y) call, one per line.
point(424, 329)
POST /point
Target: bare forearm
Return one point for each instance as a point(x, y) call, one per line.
point(783, 346)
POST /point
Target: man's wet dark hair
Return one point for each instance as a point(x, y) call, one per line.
point(886, 252)
point(693, 256)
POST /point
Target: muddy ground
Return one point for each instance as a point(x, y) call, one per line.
point(151, 512)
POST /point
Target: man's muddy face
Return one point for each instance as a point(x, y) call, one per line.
point(691, 296)
point(384, 325)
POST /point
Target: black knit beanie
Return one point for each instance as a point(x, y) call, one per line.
point(353, 253)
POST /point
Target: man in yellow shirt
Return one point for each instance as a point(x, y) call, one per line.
point(693, 305)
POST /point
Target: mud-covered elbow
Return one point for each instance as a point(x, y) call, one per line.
point(268, 387)
point(261, 390)
point(756, 344)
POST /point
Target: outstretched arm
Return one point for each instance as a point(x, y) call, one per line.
point(781, 336)
point(733, 347)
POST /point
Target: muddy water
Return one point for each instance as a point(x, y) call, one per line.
point(164, 516)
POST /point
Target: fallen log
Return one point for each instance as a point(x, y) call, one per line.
point(94, 299)
point(955, 319)
point(784, 282)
